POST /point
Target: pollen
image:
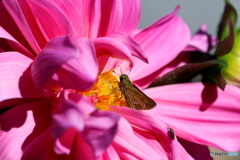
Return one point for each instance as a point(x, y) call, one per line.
point(105, 92)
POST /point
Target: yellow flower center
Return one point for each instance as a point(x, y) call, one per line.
point(105, 92)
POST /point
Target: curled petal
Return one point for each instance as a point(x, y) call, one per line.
point(100, 129)
point(75, 111)
point(134, 47)
point(112, 48)
point(68, 119)
point(66, 61)
point(68, 115)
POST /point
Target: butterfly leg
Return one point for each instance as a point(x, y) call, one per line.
point(114, 90)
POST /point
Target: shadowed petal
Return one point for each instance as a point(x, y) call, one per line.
point(13, 43)
point(15, 80)
point(109, 154)
point(81, 150)
point(216, 113)
point(21, 125)
point(17, 14)
point(66, 61)
point(7, 22)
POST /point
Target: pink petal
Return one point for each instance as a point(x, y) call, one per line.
point(16, 81)
point(69, 119)
point(154, 127)
point(17, 14)
point(100, 130)
point(112, 48)
point(21, 125)
point(96, 127)
point(134, 48)
point(214, 112)
point(121, 16)
point(107, 63)
point(128, 145)
point(66, 61)
point(108, 19)
point(43, 145)
point(130, 16)
point(64, 143)
point(50, 19)
point(41, 148)
point(68, 115)
point(162, 42)
point(182, 59)
point(77, 13)
point(33, 23)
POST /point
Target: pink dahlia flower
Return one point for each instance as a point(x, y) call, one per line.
point(56, 65)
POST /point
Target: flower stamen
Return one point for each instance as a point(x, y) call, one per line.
point(105, 92)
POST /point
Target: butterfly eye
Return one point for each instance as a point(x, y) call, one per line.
point(121, 78)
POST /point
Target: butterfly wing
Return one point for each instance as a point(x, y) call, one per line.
point(135, 98)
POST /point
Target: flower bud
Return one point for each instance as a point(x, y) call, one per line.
point(231, 72)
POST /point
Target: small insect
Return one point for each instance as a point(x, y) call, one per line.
point(135, 98)
point(171, 133)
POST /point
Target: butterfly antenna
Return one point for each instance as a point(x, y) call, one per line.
point(129, 72)
point(120, 70)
